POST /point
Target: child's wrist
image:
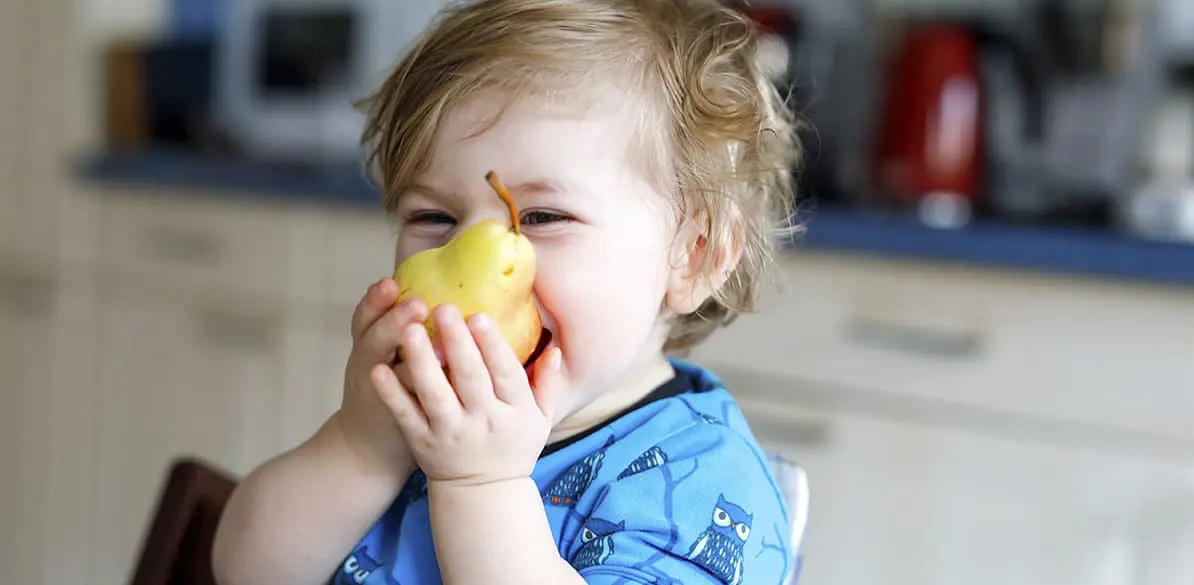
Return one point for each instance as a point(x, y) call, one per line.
point(392, 467)
point(476, 487)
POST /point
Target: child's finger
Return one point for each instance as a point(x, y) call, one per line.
point(430, 385)
point(466, 369)
point(379, 297)
point(398, 399)
point(381, 340)
point(548, 380)
point(508, 377)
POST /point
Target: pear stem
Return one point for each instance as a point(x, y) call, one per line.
point(496, 183)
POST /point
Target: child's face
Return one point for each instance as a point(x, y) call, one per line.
point(602, 235)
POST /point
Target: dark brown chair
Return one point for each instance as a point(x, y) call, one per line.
point(177, 547)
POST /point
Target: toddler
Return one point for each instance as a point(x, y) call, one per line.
point(652, 162)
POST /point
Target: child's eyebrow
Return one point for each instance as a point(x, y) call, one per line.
point(537, 186)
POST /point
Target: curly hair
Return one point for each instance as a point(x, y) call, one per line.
point(713, 132)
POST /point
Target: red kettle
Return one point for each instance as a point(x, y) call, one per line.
point(950, 115)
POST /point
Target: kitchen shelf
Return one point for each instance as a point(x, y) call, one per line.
point(233, 178)
point(1091, 252)
point(1082, 252)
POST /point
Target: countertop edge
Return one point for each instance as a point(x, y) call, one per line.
point(1069, 251)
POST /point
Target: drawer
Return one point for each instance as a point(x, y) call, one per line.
point(358, 251)
point(185, 242)
point(1069, 351)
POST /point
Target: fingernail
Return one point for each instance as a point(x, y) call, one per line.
point(481, 321)
point(554, 360)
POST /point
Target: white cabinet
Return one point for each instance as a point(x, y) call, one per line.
point(216, 340)
point(1063, 355)
point(198, 376)
point(43, 123)
point(196, 243)
point(25, 218)
point(316, 350)
point(27, 316)
point(46, 399)
point(359, 251)
point(15, 46)
point(1166, 531)
point(902, 502)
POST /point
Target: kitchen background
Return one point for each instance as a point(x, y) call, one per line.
point(982, 351)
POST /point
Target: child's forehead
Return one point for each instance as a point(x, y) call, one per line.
point(533, 137)
point(495, 113)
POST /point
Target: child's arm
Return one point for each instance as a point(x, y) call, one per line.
point(294, 518)
point(495, 533)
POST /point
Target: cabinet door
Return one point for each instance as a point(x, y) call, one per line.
point(16, 46)
point(48, 117)
point(318, 347)
point(16, 43)
point(904, 502)
point(1059, 352)
point(359, 250)
point(46, 424)
point(188, 377)
point(26, 343)
point(61, 67)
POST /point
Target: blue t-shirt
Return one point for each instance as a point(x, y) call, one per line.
point(675, 490)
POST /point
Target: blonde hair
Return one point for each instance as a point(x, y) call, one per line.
point(714, 133)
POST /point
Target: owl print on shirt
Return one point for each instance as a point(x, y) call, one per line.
point(567, 489)
point(357, 568)
point(596, 543)
point(719, 548)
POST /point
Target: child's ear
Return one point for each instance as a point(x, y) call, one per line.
point(694, 279)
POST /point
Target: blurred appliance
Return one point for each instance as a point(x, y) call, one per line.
point(1162, 206)
point(288, 71)
point(158, 94)
point(961, 109)
point(1076, 32)
point(1177, 28)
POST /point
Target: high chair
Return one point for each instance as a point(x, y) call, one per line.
point(177, 547)
point(793, 483)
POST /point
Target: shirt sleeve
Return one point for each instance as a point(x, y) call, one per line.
point(700, 507)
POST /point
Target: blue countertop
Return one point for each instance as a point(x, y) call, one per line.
point(1082, 252)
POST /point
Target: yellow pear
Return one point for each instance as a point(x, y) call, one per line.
point(487, 268)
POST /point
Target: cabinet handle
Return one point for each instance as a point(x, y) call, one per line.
point(27, 294)
point(875, 333)
point(238, 330)
point(182, 245)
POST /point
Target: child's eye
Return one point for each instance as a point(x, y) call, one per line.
point(543, 217)
point(430, 218)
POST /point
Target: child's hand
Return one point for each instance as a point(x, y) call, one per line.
point(480, 421)
point(368, 427)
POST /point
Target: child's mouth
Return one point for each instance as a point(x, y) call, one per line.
point(545, 337)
